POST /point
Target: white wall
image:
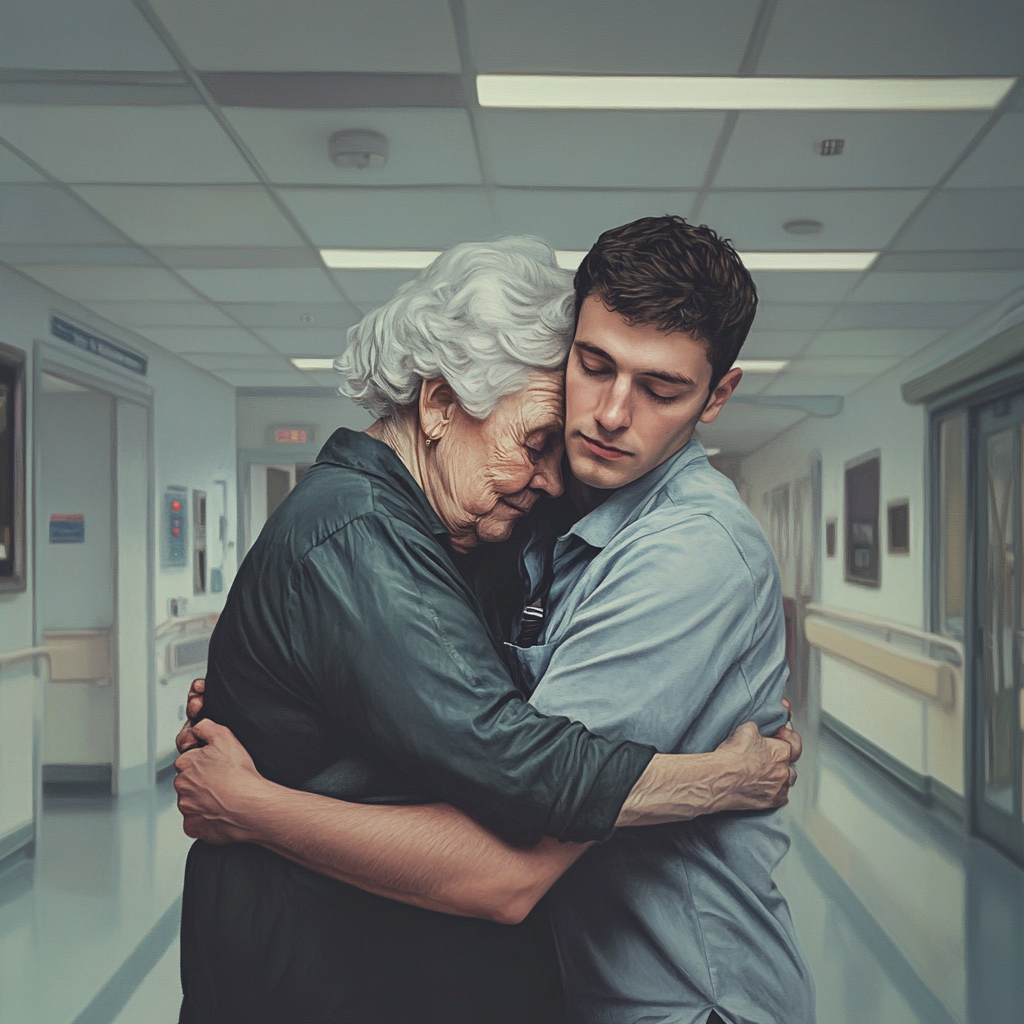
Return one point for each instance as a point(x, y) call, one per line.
point(193, 445)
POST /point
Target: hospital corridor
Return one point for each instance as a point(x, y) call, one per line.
point(198, 201)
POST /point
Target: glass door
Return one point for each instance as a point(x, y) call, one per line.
point(999, 641)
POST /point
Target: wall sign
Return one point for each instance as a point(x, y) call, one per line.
point(291, 433)
point(98, 346)
point(67, 528)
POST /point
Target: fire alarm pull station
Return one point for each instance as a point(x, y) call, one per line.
point(174, 527)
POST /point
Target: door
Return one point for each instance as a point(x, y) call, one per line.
point(998, 648)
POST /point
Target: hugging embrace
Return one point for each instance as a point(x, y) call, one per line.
point(492, 730)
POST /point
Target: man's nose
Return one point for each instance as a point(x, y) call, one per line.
point(547, 475)
point(613, 414)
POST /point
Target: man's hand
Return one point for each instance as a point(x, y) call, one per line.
point(757, 770)
point(216, 783)
point(186, 738)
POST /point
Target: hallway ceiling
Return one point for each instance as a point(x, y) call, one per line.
point(164, 162)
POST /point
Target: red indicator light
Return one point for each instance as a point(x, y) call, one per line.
point(176, 532)
point(289, 435)
point(175, 506)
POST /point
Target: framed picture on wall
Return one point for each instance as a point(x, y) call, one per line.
point(12, 469)
point(863, 478)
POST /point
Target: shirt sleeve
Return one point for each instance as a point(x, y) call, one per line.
point(650, 645)
point(389, 641)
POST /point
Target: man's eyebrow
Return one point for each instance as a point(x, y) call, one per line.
point(669, 378)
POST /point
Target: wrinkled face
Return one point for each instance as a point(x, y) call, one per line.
point(633, 396)
point(488, 473)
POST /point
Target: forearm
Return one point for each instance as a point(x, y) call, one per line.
point(678, 787)
point(430, 856)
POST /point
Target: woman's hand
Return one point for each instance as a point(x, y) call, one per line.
point(217, 784)
point(186, 738)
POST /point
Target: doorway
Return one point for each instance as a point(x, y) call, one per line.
point(93, 579)
point(998, 718)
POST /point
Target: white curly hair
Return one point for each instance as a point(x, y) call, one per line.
point(483, 315)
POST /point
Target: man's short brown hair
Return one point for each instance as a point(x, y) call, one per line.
point(676, 276)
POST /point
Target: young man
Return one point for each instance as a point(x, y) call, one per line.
point(655, 617)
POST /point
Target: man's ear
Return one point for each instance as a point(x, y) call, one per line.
point(722, 393)
point(437, 407)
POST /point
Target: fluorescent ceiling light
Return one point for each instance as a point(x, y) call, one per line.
point(312, 364)
point(761, 365)
point(808, 260)
point(570, 259)
point(712, 451)
point(652, 92)
point(379, 259)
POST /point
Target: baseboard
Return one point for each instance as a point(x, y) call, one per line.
point(925, 787)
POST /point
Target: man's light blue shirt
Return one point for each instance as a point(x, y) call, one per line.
point(665, 625)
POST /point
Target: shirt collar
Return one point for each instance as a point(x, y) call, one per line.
point(597, 528)
point(356, 450)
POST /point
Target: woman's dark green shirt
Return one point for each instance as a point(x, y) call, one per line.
point(352, 658)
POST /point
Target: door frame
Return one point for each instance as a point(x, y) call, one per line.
point(969, 398)
point(70, 364)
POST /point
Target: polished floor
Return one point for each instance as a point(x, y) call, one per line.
point(904, 918)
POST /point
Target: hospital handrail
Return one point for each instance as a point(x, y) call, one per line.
point(181, 626)
point(13, 657)
point(889, 628)
point(933, 678)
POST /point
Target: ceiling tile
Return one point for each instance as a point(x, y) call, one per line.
point(781, 149)
point(699, 37)
point(753, 383)
point(962, 219)
point(813, 384)
point(427, 147)
point(125, 143)
point(779, 286)
point(41, 214)
point(237, 256)
point(428, 218)
point(101, 35)
point(372, 287)
point(842, 366)
point(111, 284)
point(774, 344)
point(336, 316)
point(573, 219)
point(161, 314)
point(286, 284)
point(998, 159)
point(791, 317)
point(309, 35)
point(878, 37)
point(103, 255)
point(635, 149)
point(909, 315)
point(284, 378)
point(13, 169)
point(206, 339)
point(896, 344)
point(741, 429)
point(852, 219)
point(192, 215)
point(309, 341)
point(217, 361)
point(937, 287)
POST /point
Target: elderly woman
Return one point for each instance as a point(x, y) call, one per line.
point(353, 660)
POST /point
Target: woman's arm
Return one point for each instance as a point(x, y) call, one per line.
point(430, 856)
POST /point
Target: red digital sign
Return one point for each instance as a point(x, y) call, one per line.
point(290, 435)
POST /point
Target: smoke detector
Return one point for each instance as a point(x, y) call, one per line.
point(803, 227)
point(359, 148)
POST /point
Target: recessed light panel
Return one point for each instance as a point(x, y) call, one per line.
point(379, 259)
point(808, 260)
point(312, 364)
point(761, 365)
point(653, 92)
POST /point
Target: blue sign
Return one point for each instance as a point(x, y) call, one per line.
point(67, 528)
point(98, 346)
